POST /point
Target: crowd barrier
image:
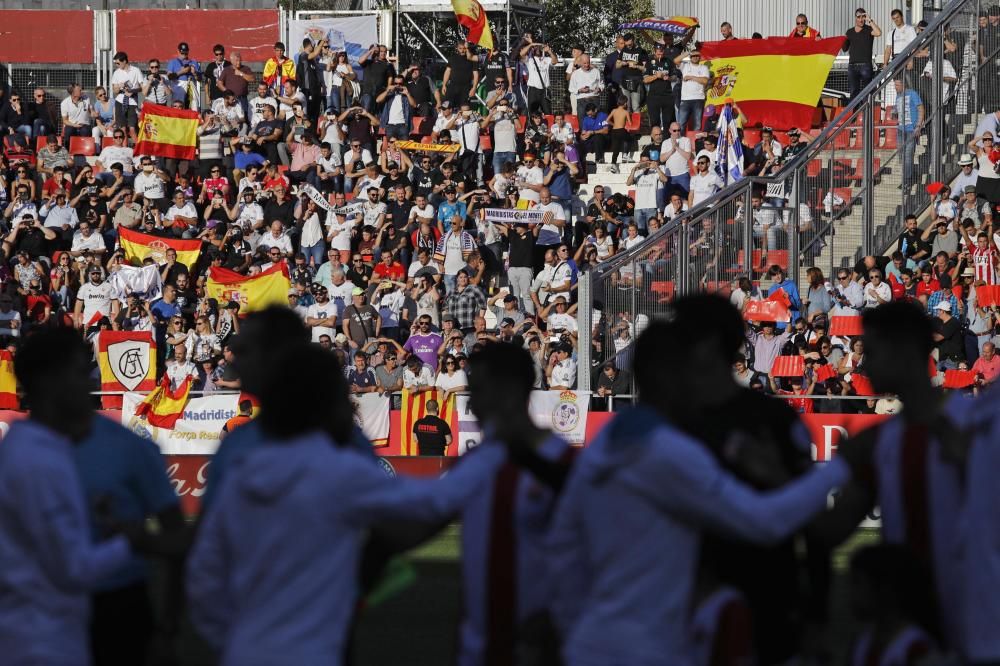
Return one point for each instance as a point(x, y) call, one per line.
point(188, 472)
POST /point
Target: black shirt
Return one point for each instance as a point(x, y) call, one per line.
point(420, 90)
point(431, 432)
point(521, 249)
point(284, 211)
point(377, 73)
point(461, 72)
point(212, 74)
point(495, 68)
point(660, 87)
point(423, 181)
point(398, 213)
point(31, 241)
point(858, 44)
point(389, 183)
point(634, 54)
point(953, 345)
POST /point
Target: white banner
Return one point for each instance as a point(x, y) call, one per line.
point(516, 216)
point(142, 280)
point(196, 433)
point(562, 412)
point(353, 34)
point(469, 434)
point(372, 414)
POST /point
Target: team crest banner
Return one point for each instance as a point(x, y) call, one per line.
point(128, 363)
point(562, 412)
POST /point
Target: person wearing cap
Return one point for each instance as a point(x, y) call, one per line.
point(560, 372)
point(360, 321)
point(948, 336)
point(321, 316)
point(859, 42)
point(694, 79)
point(966, 177)
point(184, 73)
point(969, 209)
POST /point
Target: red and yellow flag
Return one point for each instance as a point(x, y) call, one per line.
point(471, 16)
point(127, 360)
point(414, 408)
point(8, 383)
point(776, 81)
point(167, 132)
point(138, 246)
point(165, 406)
point(252, 293)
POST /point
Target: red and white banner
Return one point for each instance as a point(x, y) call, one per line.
point(828, 430)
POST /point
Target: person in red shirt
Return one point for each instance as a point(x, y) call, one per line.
point(274, 178)
point(388, 269)
point(987, 366)
point(38, 304)
point(216, 182)
point(57, 181)
point(928, 284)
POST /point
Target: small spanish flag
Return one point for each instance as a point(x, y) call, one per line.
point(252, 293)
point(138, 246)
point(776, 81)
point(165, 406)
point(127, 360)
point(167, 132)
point(471, 16)
point(8, 384)
point(414, 408)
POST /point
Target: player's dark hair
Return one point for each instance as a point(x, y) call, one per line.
point(46, 355)
point(902, 322)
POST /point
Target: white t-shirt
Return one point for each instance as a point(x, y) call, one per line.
point(704, 186)
point(453, 261)
point(669, 212)
point(282, 242)
point(561, 321)
point(449, 382)
point(538, 71)
point(340, 295)
point(417, 213)
point(646, 183)
point(117, 154)
point(899, 38)
point(257, 105)
point(550, 233)
point(130, 78)
point(416, 266)
point(423, 378)
point(676, 164)
point(532, 176)
point(564, 373)
point(94, 242)
point(693, 89)
point(187, 210)
point(77, 112)
point(342, 241)
point(177, 372)
point(322, 311)
point(95, 298)
point(148, 185)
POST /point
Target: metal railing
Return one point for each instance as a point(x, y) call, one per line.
point(843, 197)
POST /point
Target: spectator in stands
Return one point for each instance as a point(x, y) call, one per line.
point(704, 183)
point(126, 84)
point(910, 113)
point(899, 37)
point(660, 73)
point(585, 85)
point(802, 29)
point(155, 88)
point(43, 122)
point(694, 77)
point(75, 109)
point(378, 73)
point(278, 69)
point(859, 42)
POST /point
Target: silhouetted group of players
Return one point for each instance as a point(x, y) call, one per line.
point(694, 530)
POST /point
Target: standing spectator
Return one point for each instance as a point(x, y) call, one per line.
point(126, 83)
point(360, 321)
point(378, 71)
point(466, 302)
point(660, 72)
point(278, 68)
point(75, 109)
point(154, 87)
point(899, 37)
point(632, 62)
point(424, 93)
point(646, 177)
point(236, 78)
point(726, 31)
point(183, 74)
point(213, 72)
point(910, 112)
point(585, 85)
point(858, 42)
point(537, 59)
point(397, 110)
point(675, 155)
point(780, 281)
point(948, 336)
point(694, 79)
point(802, 29)
point(704, 183)
point(307, 75)
point(433, 434)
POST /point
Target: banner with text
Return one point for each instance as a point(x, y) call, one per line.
point(195, 433)
point(353, 34)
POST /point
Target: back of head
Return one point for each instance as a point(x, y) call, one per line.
point(304, 390)
point(261, 334)
point(500, 375)
point(50, 360)
point(698, 330)
point(900, 324)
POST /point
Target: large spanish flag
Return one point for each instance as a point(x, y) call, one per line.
point(165, 406)
point(414, 408)
point(471, 16)
point(127, 360)
point(776, 81)
point(252, 293)
point(167, 132)
point(8, 384)
point(138, 246)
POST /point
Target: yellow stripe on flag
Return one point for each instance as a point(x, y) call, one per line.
point(137, 246)
point(167, 132)
point(252, 293)
point(8, 383)
point(165, 406)
point(801, 80)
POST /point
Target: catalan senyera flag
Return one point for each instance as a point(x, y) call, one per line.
point(471, 16)
point(414, 408)
point(8, 384)
point(165, 406)
point(127, 360)
point(252, 293)
point(167, 132)
point(776, 81)
point(137, 246)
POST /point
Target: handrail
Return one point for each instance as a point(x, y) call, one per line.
point(739, 188)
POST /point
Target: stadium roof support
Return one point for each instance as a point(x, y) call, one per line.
point(513, 10)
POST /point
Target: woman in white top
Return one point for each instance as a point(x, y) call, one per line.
point(451, 378)
point(988, 181)
point(338, 235)
point(202, 344)
point(427, 298)
point(602, 242)
point(312, 235)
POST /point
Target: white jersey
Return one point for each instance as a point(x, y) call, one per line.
point(95, 299)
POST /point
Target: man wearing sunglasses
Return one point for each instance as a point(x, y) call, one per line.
point(117, 153)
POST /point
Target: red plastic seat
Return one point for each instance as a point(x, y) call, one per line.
point(813, 168)
point(779, 257)
point(634, 122)
point(574, 122)
point(415, 127)
point(107, 141)
point(84, 146)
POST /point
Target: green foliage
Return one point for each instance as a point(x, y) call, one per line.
point(591, 23)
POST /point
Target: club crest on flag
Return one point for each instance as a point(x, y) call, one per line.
point(129, 361)
point(158, 251)
point(235, 295)
point(566, 414)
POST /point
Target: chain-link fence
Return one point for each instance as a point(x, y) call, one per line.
point(843, 197)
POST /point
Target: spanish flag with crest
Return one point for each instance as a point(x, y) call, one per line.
point(471, 16)
point(164, 407)
point(137, 246)
point(253, 293)
point(776, 82)
point(167, 132)
point(127, 360)
point(8, 383)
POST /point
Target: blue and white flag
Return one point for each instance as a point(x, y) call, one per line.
point(729, 159)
